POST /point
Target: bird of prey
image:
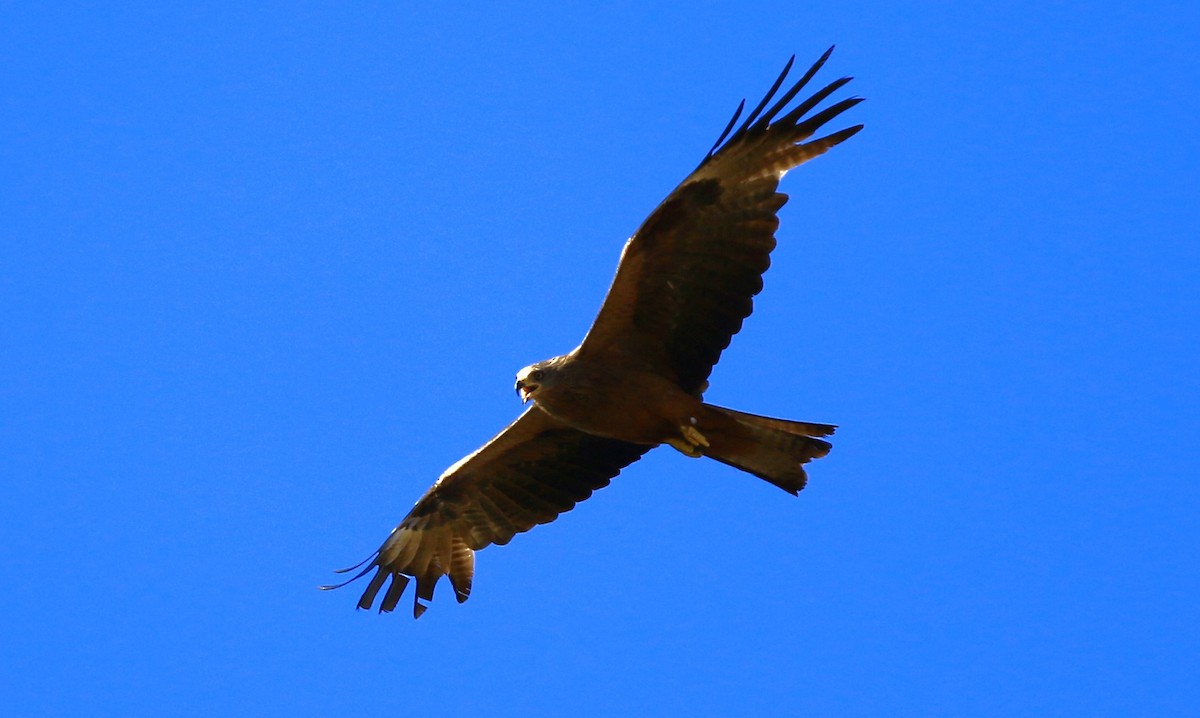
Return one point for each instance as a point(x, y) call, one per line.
point(682, 289)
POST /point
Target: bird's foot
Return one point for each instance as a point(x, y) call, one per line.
point(691, 442)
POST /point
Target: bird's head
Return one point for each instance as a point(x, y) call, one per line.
point(535, 377)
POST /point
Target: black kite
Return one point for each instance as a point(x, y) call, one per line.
point(683, 286)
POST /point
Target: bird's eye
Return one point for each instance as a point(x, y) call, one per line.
point(536, 374)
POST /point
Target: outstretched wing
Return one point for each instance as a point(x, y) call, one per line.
point(686, 277)
point(532, 471)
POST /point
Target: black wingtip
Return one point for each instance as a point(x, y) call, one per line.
point(842, 136)
point(767, 97)
point(732, 120)
point(394, 592)
point(762, 117)
point(352, 579)
point(360, 563)
point(368, 596)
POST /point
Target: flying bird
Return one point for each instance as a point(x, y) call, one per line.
point(683, 286)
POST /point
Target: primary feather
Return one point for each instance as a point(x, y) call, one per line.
point(683, 287)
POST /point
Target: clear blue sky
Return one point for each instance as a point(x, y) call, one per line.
point(267, 271)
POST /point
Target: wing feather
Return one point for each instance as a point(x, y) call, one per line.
point(684, 285)
point(532, 471)
point(687, 277)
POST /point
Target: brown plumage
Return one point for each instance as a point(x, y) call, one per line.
point(683, 286)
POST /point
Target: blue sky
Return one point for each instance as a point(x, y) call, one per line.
point(267, 271)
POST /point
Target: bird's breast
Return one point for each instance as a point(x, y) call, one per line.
point(638, 407)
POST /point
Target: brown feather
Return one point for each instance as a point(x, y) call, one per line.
point(368, 596)
point(462, 570)
point(684, 285)
point(392, 597)
point(686, 278)
point(528, 474)
point(772, 449)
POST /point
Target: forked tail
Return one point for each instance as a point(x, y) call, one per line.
point(771, 449)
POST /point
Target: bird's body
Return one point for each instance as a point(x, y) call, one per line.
point(630, 404)
point(683, 286)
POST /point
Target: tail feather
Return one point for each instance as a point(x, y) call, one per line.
point(772, 449)
point(798, 428)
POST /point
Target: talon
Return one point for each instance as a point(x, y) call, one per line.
point(690, 441)
point(693, 436)
point(685, 448)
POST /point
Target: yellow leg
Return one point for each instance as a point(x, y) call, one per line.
point(693, 436)
point(691, 442)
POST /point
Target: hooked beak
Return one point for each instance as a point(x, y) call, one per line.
point(525, 391)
